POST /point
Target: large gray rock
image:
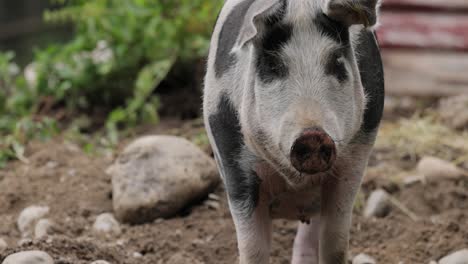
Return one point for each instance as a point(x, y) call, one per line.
point(458, 257)
point(156, 176)
point(29, 257)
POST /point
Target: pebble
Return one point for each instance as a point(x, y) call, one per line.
point(137, 255)
point(29, 257)
point(212, 204)
point(42, 229)
point(28, 218)
point(378, 204)
point(106, 224)
point(363, 259)
point(214, 197)
point(3, 245)
point(52, 165)
point(433, 262)
point(458, 257)
point(100, 262)
point(435, 168)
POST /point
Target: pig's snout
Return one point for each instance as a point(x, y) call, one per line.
point(313, 151)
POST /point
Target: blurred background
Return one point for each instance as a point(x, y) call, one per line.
point(80, 79)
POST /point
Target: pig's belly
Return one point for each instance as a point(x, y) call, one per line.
point(295, 205)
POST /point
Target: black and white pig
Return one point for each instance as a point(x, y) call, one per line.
point(292, 102)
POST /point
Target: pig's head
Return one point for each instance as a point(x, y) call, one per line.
point(305, 101)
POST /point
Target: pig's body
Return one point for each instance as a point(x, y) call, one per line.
point(292, 103)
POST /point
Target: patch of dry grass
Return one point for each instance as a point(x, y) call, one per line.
point(421, 136)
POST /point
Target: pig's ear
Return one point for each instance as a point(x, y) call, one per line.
point(352, 12)
point(256, 14)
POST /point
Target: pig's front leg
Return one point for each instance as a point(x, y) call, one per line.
point(253, 235)
point(249, 212)
point(338, 194)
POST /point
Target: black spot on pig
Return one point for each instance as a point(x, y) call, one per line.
point(277, 16)
point(372, 77)
point(228, 36)
point(270, 64)
point(336, 67)
point(332, 29)
point(242, 184)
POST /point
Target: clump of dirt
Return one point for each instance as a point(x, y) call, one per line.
point(77, 189)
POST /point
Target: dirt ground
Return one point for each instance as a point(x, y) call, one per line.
point(77, 189)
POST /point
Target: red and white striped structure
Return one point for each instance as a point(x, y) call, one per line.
point(432, 24)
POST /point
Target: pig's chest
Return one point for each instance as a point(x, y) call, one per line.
point(285, 202)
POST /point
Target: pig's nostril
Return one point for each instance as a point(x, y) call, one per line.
point(325, 152)
point(302, 151)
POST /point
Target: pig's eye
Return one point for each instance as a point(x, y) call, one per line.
point(336, 67)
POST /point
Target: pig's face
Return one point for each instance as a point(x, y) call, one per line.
point(307, 98)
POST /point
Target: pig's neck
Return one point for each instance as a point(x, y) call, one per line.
point(284, 200)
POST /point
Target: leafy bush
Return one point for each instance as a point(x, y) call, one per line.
point(121, 51)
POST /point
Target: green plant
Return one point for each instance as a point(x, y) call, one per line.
point(121, 51)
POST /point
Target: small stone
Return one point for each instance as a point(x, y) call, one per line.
point(28, 218)
point(214, 197)
point(363, 259)
point(120, 242)
point(378, 204)
point(212, 204)
point(458, 257)
point(71, 172)
point(106, 224)
point(435, 168)
point(29, 257)
point(100, 262)
point(433, 262)
point(3, 245)
point(43, 228)
point(52, 165)
point(137, 255)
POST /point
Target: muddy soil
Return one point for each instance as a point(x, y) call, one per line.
point(77, 189)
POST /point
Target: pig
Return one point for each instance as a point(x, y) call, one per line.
point(292, 102)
